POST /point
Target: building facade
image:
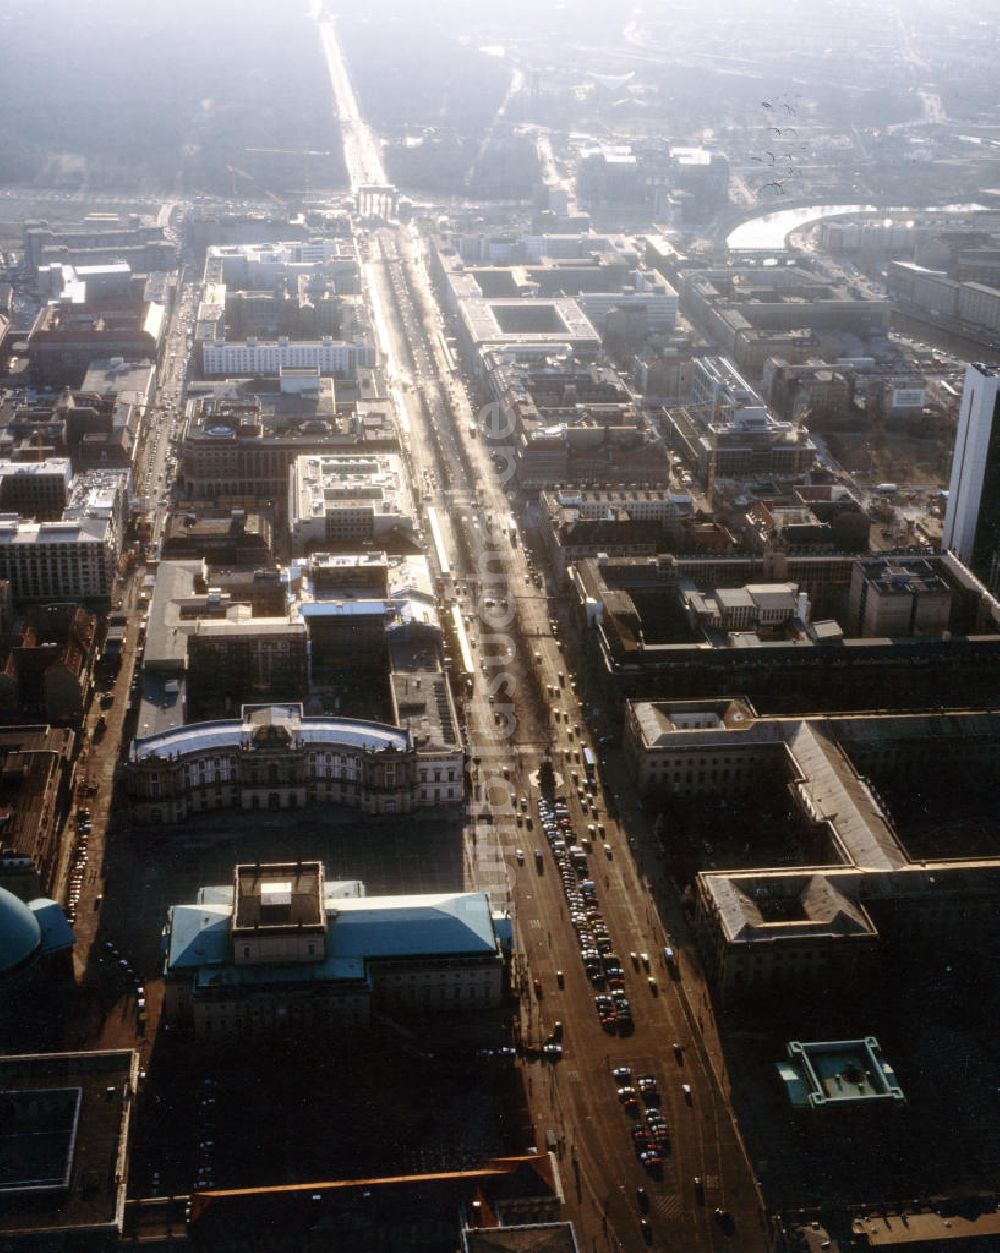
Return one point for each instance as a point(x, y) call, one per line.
point(972, 520)
point(69, 560)
point(281, 951)
point(273, 757)
point(253, 357)
point(338, 501)
point(239, 659)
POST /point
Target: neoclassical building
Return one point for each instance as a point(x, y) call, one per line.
point(279, 950)
point(273, 757)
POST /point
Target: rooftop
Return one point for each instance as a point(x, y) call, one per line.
point(839, 1072)
point(64, 1131)
point(199, 737)
point(522, 1238)
point(278, 895)
point(531, 320)
point(359, 928)
point(928, 1230)
point(382, 927)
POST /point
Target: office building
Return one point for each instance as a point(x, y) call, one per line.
point(898, 596)
point(96, 230)
point(35, 762)
point(67, 337)
point(862, 868)
point(35, 489)
point(242, 445)
point(718, 389)
point(341, 501)
point(65, 1132)
point(241, 658)
point(838, 1074)
point(101, 495)
point(538, 324)
point(46, 666)
point(234, 537)
point(253, 357)
point(642, 640)
point(258, 267)
point(972, 520)
point(73, 559)
point(749, 444)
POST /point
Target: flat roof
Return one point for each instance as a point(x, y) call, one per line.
point(564, 321)
point(64, 1132)
point(72, 531)
point(278, 895)
point(555, 1237)
point(928, 1230)
point(37, 1138)
point(839, 1072)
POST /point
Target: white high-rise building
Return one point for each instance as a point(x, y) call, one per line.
point(972, 521)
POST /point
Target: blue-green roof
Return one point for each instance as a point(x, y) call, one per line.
point(412, 926)
point(57, 934)
point(20, 934)
point(199, 935)
point(358, 929)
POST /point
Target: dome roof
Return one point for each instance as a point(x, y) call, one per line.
point(20, 933)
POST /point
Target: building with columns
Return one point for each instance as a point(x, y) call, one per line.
point(281, 951)
point(273, 757)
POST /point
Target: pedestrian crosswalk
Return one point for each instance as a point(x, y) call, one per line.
point(668, 1204)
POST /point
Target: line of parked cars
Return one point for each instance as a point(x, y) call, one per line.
point(78, 868)
point(205, 1165)
point(600, 962)
point(639, 1096)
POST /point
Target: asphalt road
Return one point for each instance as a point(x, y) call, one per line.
point(577, 1097)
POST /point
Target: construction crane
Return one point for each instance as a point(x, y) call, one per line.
point(235, 171)
point(306, 153)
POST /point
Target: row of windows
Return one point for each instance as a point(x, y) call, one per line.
point(341, 762)
point(685, 761)
point(239, 1025)
point(426, 994)
point(714, 776)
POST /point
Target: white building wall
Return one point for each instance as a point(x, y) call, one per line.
point(249, 357)
point(975, 425)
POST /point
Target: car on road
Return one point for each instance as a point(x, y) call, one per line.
point(622, 1072)
point(686, 1089)
point(519, 854)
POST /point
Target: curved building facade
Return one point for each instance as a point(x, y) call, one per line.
point(273, 757)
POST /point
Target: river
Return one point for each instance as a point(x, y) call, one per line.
point(770, 230)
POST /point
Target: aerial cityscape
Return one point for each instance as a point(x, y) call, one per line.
point(499, 626)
